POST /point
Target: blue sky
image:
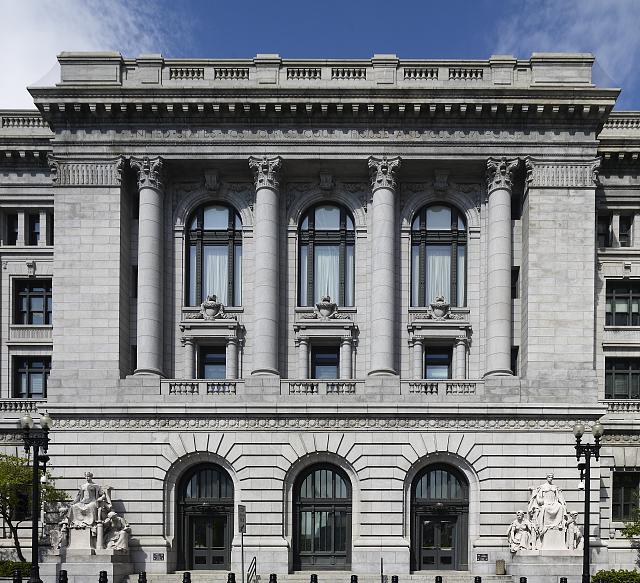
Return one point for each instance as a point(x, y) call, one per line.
point(34, 31)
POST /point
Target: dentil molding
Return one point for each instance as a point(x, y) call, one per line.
point(85, 172)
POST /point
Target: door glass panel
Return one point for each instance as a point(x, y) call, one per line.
point(217, 537)
point(428, 535)
point(446, 535)
point(200, 533)
point(341, 531)
point(305, 531)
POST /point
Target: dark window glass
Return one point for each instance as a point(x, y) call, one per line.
point(624, 237)
point(623, 303)
point(326, 259)
point(622, 378)
point(33, 302)
point(34, 228)
point(439, 483)
point(213, 362)
point(30, 376)
point(12, 229)
point(514, 360)
point(208, 482)
point(626, 487)
point(437, 363)
point(325, 361)
point(50, 229)
point(515, 283)
point(134, 281)
point(134, 358)
point(438, 256)
point(214, 256)
point(604, 231)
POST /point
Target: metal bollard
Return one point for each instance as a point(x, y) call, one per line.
point(231, 578)
point(314, 578)
point(17, 576)
point(438, 578)
point(477, 579)
point(394, 579)
point(102, 578)
point(62, 576)
point(354, 579)
point(563, 580)
point(186, 577)
point(523, 580)
point(273, 578)
point(142, 577)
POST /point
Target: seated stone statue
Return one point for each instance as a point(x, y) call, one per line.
point(117, 531)
point(90, 499)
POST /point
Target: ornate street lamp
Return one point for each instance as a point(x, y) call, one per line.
point(36, 440)
point(586, 450)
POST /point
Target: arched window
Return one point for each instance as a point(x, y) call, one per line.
point(214, 255)
point(326, 256)
point(439, 519)
point(438, 256)
point(322, 519)
point(205, 518)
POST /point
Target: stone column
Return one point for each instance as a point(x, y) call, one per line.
point(418, 358)
point(460, 371)
point(232, 358)
point(267, 259)
point(383, 272)
point(21, 239)
point(43, 229)
point(615, 230)
point(346, 358)
point(303, 358)
point(635, 233)
point(150, 265)
point(499, 180)
point(189, 358)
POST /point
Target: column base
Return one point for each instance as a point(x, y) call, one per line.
point(498, 373)
point(389, 372)
point(265, 372)
point(148, 372)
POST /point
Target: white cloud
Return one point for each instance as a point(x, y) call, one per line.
point(34, 32)
point(607, 28)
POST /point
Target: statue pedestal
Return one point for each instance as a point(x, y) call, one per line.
point(546, 566)
point(80, 540)
point(85, 567)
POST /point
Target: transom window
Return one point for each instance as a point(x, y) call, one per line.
point(33, 302)
point(208, 482)
point(439, 482)
point(623, 303)
point(326, 256)
point(31, 374)
point(626, 489)
point(622, 378)
point(214, 256)
point(438, 256)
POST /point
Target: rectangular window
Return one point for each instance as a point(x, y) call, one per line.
point(515, 283)
point(514, 360)
point(325, 362)
point(626, 488)
point(49, 233)
point(624, 234)
point(213, 362)
point(623, 303)
point(12, 229)
point(31, 374)
point(33, 302)
point(604, 231)
point(437, 363)
point(34, 229)
point(622, 378)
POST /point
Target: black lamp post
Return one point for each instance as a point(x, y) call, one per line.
point(36, 440)
point(586, 450)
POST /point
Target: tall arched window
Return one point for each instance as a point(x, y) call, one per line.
point(438, 256)
point(326, 256)
point(322, 519)
point(214, 255)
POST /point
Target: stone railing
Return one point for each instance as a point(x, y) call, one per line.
point(23, 122)
point(451, 389)
point(310, 73)
point(185, 388)
point(20, 405)
point(629, 406)
point(321, 387)
point(33, 333)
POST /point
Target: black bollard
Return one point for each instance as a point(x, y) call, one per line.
point(563, 580)
point(314, 578)
point(523, 580)
point(438, 578)
point(142, 577)
point(17, 576)
point(273, 578)
point(186, 577)
point(231, 578)
point(102, 578)
point(62, 576)
point(477, 579)
point(394, 579)
point(354, 579)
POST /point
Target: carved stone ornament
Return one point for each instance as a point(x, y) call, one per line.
point(440, 310)
point(211, 309)
point(440, 180)
point(326, 310)
point(31, 268)
point(266, 172)
point(149, 171)
point(562, 173)
point(500, 173)
point(212, 180)
point(383, 172)
point(326, 181)
point(86, 172)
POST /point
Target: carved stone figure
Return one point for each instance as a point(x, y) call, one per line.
point(440, 309)
point(326, 310)
point(573, 533)
point(211, 309)
point(519, 533)
point(548, 508)
point(117, 532)
point(86, 507)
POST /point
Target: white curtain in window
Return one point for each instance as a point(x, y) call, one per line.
point(302, 268)
point(415, 275)
point(438, 272)
point(237, 276)
point(215, 271)
point(349, 299)
point(326, 272)
point(193, 292)
point(460, 279)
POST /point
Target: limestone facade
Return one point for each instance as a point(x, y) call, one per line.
point(484, 379)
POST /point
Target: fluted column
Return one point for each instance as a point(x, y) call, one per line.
point(232, 358)
point(383, 235)
point(189, 358)
point(499, 182)
point(303, 358)
point(418, 358)
point(150, 265)
point(460, 371)
point(267, 258)
point(346, 363)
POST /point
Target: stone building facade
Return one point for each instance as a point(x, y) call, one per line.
point(367, 300)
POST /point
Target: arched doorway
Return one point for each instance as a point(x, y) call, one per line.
point(205, 518)
point(439, 519)
point(322, 519)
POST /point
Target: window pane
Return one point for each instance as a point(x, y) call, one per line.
point(438, 272)
point(415, 275)
point(349, 223)
point(302, 275)
point(349, 293)
point(216, 218)
point(438, 218)
point(326, 274)
point(327, 218)
point(325, 362)
point(461, 275)
point(237, 276)
point(415, 226)
point(213, 363)
point(215, 271)
point(193, 292)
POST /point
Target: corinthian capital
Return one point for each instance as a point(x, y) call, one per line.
point(149, 171)
point(500, 173)
point(266, 172)
point(383, 172)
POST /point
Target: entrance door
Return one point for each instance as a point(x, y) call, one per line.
point(438, 535)
point(209, 541)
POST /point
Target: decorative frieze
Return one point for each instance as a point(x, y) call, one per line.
point(500, 173)
point(86, 173)
point(383, 172)
point(149, 171)
point(561, 173)
point(266, 172)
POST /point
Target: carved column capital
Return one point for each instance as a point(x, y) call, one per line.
point(266, 171)
point(149, 171)
point(500, 173)
point(383, 172)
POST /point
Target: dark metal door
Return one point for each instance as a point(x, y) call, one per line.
point(209, 541)
point(438, 536)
